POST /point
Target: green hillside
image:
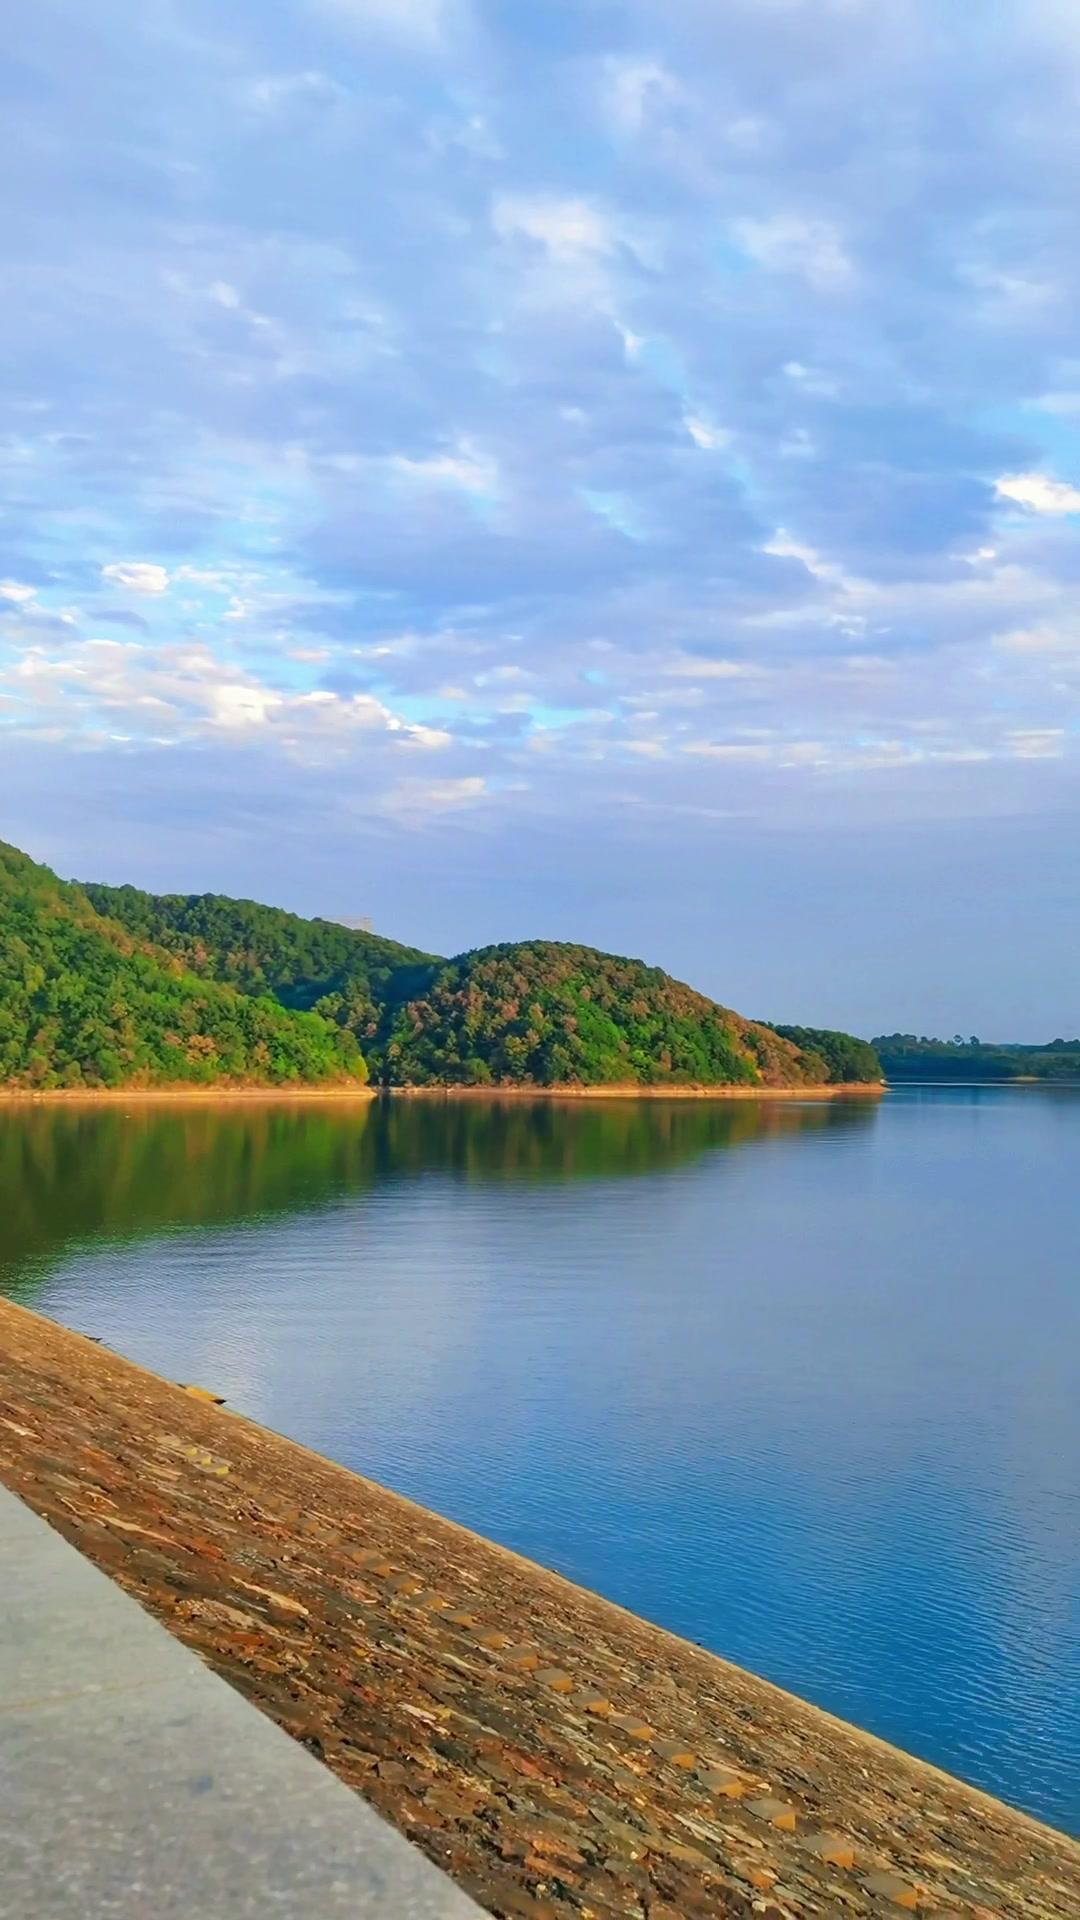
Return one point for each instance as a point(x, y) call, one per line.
point(548, 1014)
point(537, 1013)
point(348, 976)
point(83, 1003)
point(110, 986)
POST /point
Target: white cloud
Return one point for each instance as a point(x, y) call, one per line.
point(570, 229)
point(749, 133)
point(137, 576)
point(635, 90)
point(728, 750)
point(431, 738)
point(277, 90)
point(811, 249)
point(193, 694)
point(1051, 638)
point(686, 667)
point(785, 547)
point(1038, 492)
point(415, 800)
point(704, 434)
point(810, 380)
point(467, 467)
point(1036, 743)
point(239, 706)
point(15, 591)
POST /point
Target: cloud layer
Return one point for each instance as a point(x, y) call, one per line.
point(653, 429)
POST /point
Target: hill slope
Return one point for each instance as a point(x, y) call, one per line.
point(534, 1013)
point(83, 1003)
point(849, 1062)
point(548, 1014)
point(347, 975)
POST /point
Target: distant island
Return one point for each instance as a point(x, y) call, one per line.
point(110, 987)
point(905, 1057)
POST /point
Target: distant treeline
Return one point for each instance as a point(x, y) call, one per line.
point(906, 1056)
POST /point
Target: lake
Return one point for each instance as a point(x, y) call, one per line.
point(799, 1381)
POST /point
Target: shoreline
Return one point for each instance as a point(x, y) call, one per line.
point(1026, 1080)
point(187, 1096)
point(555, 1753)
point(633, 1092)
point(113, 1096)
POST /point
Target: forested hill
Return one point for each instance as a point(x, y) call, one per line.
point(536, 1013)
point(551, 1014)
point(905, 1056)
point(350, 976)
point(82, 1003)
point(111, 986)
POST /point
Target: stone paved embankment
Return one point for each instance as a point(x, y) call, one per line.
point(556, 1755)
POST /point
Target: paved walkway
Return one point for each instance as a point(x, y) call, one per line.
point(134, 1782)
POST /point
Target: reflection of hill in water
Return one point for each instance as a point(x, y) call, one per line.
point(69, 1174)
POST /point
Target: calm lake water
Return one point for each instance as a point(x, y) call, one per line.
point(798, 1381)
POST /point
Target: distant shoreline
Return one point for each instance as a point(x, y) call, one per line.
point(112, 1096)
point(1023, 1080)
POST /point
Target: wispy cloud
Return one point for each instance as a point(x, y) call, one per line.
point(137, 576)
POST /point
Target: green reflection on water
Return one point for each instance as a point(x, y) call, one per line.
point(72, 1173)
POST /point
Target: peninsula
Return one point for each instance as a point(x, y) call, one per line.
point(108, 987)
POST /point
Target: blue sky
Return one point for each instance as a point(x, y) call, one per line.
point(608, 470)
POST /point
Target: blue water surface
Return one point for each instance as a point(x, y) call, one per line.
point(799, 1382)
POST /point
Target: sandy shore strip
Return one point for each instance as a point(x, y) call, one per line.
point(855, 1090)
point(557, 1755)
point(120, 1096)
point(185, 1096)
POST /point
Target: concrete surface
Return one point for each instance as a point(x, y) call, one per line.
point(134, 1782)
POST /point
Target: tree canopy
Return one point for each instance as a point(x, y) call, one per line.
point(542, 1013)
point(346, 974)
point(84, 1004)
point(847, 1060)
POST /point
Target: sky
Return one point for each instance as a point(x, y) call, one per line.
point(602, 471)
